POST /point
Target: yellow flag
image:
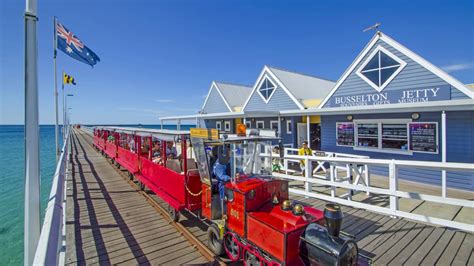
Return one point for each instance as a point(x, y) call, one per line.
point(68, 79)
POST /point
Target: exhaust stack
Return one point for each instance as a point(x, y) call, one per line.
point(333, 216)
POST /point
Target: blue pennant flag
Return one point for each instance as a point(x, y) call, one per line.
point(72, 46)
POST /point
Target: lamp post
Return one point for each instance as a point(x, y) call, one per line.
point(66, 108)
point(32, 163)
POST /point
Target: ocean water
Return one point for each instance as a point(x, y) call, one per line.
point(12, 184)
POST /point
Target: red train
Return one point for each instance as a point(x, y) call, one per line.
point(251, 217)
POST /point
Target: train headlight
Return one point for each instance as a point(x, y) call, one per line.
point(298, 209)
point(286, 205)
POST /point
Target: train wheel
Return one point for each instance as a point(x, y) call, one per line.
point(173, 213)
point(231, 246)
point(250, 259)
point(213, 240)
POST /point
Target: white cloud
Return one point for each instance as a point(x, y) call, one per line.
point(163, 100)
point(457, 67)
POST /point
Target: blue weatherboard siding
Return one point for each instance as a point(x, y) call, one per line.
point(211, 123)
point(460, 129)
point(411, 77)
point(215, 103)
point(279, 101)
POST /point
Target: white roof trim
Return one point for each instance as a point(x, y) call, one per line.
point(418, 59)
point(351, 67)
point(434, 69)
point(267, 72)
point(214, 85)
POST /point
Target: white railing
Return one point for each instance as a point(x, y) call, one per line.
point(355, 165)
point(52, 242)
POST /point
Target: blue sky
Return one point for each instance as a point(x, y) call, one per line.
point(159, 58)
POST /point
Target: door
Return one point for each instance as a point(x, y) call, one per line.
point(302, 135)
point(315, 136)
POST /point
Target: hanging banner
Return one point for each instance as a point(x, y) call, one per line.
point(423, 137)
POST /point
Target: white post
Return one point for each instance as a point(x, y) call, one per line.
point(285, 160)
point(161, 124)
point(308, 131)
point(56, 130)
point(443, 153)
point(307, 185)
point(279, 127)
point(32, 163)
point(178, 125)
point(393, 186)
point(332, 174)
point(367, 177)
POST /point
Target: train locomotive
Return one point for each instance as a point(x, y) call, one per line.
point(250, 216)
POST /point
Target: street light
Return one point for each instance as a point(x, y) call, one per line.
point(66, 120)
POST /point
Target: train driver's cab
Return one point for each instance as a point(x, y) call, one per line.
point(228, 158)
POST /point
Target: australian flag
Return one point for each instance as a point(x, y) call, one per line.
point(72, 46)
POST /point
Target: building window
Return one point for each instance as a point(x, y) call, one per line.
point(380, 68)
point(368, 135)
point(274, 125)
point(218, 125)
point(289, 126)
point(260, 125)
point(390, 135)
point(227, 126)
point(248, 124)
point(266, 90)
point(394, 136)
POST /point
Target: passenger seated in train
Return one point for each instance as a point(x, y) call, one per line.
point(171, 152)
point(110, 138)
point(157, 153)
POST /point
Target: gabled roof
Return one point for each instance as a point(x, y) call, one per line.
point(301, 88)
point(233, 95)
point(412, 55)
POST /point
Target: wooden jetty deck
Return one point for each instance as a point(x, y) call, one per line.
point(110, 222)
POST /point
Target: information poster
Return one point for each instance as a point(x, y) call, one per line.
point(345, 134)
point(424, 137)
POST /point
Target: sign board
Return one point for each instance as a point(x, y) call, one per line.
point(345, 134)
point(423, 137)
point(408, 95)
point(204, 133)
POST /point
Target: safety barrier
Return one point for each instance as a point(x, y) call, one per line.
point(357, 176)
point(52, 242)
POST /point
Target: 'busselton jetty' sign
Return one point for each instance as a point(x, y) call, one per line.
point(437, 93)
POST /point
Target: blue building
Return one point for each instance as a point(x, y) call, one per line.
point(390, 103)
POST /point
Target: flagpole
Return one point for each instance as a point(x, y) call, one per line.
point(56, 92)
point(64, 108)
point(32, 162)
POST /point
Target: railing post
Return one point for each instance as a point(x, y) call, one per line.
point(285, 160)
point(367, 177)
point(307, 172)
point(393, 186)
point(332, 170)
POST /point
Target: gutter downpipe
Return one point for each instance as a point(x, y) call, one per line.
point(32, 162)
